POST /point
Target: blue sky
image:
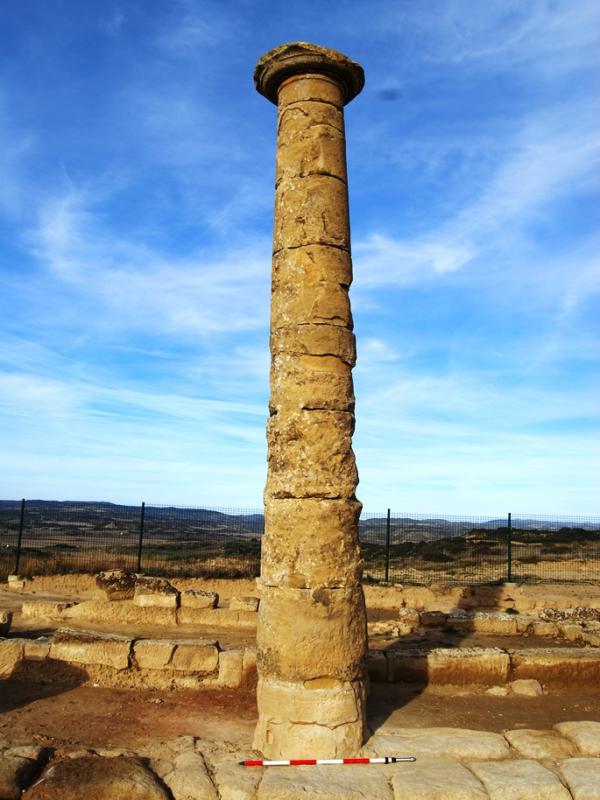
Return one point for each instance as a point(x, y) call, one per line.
point(136, 206)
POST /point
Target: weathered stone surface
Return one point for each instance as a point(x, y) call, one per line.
point(544, 629)
point(317, 382)
point(189, 779)
point(156, 592)
point(296, 554)
point(197, 656)
point(325, 783)
point(458, 743)
point(329, 632)
point(498, 691)
point(570, 631)
point(519, 780)
point(486, 622)
point(447, 665)
point(37, 609)
point(117, 584)
point(582, 776)
point(37, 649)
point(526, 687)
point(433, 619)
point(16, 773)
point(11, 653)
point(408, 620)
point(5, 622)
point(249, 674)
point(231, 668)
point(105, 612)
point(540, 744)
point(585, 736)
point(244, 604)
point(233, 781)
point(558, 666)
point(94, 777)
point(436, 779)
point(196, 598)
point(306, 146)
point(16, 583)
point(309, 90)
point(217, 617)
point(153, 653)
point(314, 340)
point(89, 647)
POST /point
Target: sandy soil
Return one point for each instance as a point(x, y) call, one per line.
point(82, 716)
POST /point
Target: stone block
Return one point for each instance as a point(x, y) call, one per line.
point(322, 716)
point(16, 583)
point(5, 622)
point(231, 668)
point(310, 455)
point(436, 779)
point(16, 772)
point(88, 647)
point(153, 653)
point(233, 781)
point(540, 744)
point(327, 637)
point(37, 609)
point(325, 783)
point(433, 619)
point(446, 665)
point(570, 631)
point(544, 628)
point(244, 604)
point(36, 649)
point(195, 656)
point(408, 620)
point(117, 584)
point(11, 654)
point(377, 665)
point(526, 687)
point(150, 591)
point(89, 777)
point(582, 776)
point(217, 618)
point(493, 623)
point(324, 341)
point(296, 554)
point(310, 382)
point(318, 89)
point(457, 743)
point(320, 213)
point(307, 148)
point(585, 735)
point(189, 779)
point(519, 780)
point(196, 598)
point(557, 666)
point(592, 639)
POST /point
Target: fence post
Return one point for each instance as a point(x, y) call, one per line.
point(387, 547)
point(509, 548)
point(20, 539)
point(141, 538)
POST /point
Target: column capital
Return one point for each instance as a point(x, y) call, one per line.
point(301, 58)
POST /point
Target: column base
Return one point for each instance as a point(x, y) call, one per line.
point(322, 718)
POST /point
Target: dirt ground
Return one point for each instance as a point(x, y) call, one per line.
point(70, 717)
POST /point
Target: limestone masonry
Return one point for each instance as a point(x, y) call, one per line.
point(312, 634)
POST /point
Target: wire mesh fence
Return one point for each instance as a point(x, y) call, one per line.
point(39, 538)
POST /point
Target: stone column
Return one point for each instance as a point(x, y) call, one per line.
point(312, 636)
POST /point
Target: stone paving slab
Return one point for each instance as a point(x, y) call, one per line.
point(324, 783)
point(582, 776)
point(519, 780)
point(540, 744)
point(455, 743)
point(436, 779)
point(585, 735)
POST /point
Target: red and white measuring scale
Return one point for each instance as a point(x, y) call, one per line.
point(301, 762)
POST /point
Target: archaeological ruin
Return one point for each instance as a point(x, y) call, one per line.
point(312, 635)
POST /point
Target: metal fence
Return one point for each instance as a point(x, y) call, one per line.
point(57, 537)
